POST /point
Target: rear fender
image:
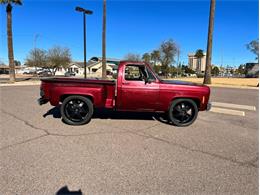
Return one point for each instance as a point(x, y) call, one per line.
point(96, 95)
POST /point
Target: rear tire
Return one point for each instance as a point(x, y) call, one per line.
point(183, 112)
point(76, 110)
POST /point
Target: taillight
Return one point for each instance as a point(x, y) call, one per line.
point(203, 99)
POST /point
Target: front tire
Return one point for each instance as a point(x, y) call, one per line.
point(183, 112)
point(76, 110)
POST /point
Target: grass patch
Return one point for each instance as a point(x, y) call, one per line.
point(249, 82)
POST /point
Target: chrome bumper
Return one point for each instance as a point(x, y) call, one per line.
point(42, 101)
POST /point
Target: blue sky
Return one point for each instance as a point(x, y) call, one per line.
point(134, 27)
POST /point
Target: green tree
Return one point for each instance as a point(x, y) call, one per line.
point(241, 69)
point(199, 54)
point(253, 46)
point(155, 56)
point(207, 75)
point(58, 57)
point(157, 69)
point(188, 70)
point(168, 51)
point(146, 57)
point(248, 69)
point(172, 70)
point(17, 63)
point(37, 58)
point(215, 71)
point(9, 8)
point(104, 66)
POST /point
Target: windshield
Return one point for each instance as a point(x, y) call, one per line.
point(155, 74)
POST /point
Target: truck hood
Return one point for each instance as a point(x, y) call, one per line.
point(177, 82)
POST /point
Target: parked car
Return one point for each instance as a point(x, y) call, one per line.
point(44, 73)
point(137, 88)
point(29, 72)
point(69, 74)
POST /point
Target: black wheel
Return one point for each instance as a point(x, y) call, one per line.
point(76, 110)
point(183, 112)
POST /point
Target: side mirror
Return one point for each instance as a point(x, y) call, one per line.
point(147, 80)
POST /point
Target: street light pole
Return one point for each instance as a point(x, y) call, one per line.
point(84, 11)
point(85, 58)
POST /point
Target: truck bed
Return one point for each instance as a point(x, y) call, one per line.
point(78, 80)
point(101, 92)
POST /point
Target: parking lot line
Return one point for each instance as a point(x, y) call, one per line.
point(227, 111)
point(238, 106)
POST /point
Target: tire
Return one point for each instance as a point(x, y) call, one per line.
point(76, 110)
point(183, 112)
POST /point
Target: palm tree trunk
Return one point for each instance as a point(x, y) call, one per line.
point(10, 43)
point(104, 69)
point(207, 76)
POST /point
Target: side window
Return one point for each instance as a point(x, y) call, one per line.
point(134, 73)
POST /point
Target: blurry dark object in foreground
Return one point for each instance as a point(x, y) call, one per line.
point(65, 191)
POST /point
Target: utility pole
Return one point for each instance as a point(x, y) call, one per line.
point(104, 64)
point(207, 76)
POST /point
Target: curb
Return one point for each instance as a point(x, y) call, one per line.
point(20, 84)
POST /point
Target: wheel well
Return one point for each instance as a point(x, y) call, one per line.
point(197, 101)
point(63, 97)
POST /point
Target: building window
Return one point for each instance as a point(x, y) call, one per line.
point(94, 69)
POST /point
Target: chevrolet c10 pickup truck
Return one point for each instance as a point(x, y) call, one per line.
point(137, 89)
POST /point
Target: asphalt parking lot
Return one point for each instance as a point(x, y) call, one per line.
point(127, 153)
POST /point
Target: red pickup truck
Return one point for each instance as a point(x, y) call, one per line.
point(137, 88)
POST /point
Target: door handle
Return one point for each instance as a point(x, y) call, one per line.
point(126, 83)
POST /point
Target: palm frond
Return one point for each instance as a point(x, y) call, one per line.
point(16, 2)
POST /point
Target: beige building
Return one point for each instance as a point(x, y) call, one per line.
point(198, 65)
point(76, 67)
point(93, 67)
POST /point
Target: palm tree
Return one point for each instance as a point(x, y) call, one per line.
point(10, 35)
point(199, 54)
point(146, 57)
point(207, 76)
point(104, 68)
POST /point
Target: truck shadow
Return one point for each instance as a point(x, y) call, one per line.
point(117, 115)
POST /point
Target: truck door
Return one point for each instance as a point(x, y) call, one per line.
point(135, 93)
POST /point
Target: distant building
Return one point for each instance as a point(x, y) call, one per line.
point(198, 65)
point(76, 67)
